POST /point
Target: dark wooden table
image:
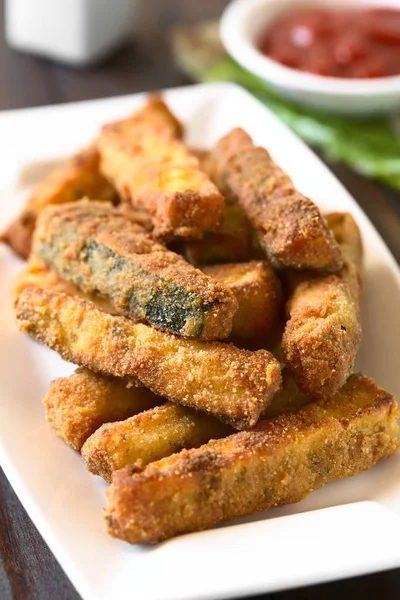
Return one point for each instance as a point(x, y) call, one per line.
point(28, 570)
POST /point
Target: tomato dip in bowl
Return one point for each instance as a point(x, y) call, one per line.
point(341, 56)
point(362, 43)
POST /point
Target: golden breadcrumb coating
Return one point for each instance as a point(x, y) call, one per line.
point(258, 292)
point(348, 237)
point(279, 462)
point(150, 167)
point(291, 229)
point(234, 385)
point(232, 242)
point(234, 238)
point(159, 432)
point(76, 406)
point(209, 165)
point(71, 181)
point(149, 436)
point(96, 247)
point(136, 215)
point(155, 115)
point(323, 333)
point(38, 274)
point(289, 399)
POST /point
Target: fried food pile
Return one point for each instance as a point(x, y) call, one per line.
point(214, 316)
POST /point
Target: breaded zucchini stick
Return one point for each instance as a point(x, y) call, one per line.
point(149, 436)
point(291, 229)
point(151, 167)
point(279, 462)
point(234, 385)
point(75, 179)
point(78, 405)
point(258, 292)
point(166, 429)
point(38, 274)
point(138, 216)
point(288, 400)
point(154, 116)
point(348, 237)
point(209, 165)
point(96, 247)
point(323, 332)
point(232, 242)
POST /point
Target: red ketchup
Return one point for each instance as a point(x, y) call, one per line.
point(345, 43)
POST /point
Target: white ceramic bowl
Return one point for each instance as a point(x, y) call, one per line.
point(76, 32)
point(244, 21)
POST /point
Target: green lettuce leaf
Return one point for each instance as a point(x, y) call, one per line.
point(371, 147)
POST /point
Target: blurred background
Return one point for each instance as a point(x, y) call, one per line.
point(144, 61)
point(54, 51)
point(65, 51)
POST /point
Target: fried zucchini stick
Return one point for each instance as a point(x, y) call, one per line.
point(96, 247)
point(154, 116)
point(279, 462)
point(207, 164)
point(258, 292)
point(38, 274)
point(166, 429)
point(234, 385)
point(151, 168)
point(138, 216)
point(323, 333)
point(288, 400)
point(291, 229)
point(232, 242)
point(149, 436)
point(75, 179)
point(78, 405)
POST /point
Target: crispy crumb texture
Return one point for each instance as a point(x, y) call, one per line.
point(231, 242)
point(150, 167)
point(164, 273)
point(289, 399)
point(76, 406)
point(161, 431)
point(39, 275)
point(280, 461)
point(137, 215)
point(97, 248)
point(75, 179)
point(234, 385)
point(258, 292)
point(291, 229)
point(149, 436)
point(323, 333)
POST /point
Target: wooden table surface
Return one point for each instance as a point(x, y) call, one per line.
point(28, 570)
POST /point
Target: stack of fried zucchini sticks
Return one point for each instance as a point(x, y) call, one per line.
point(184, 284)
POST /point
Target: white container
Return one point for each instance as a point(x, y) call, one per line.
point(78, 32)
point(244, 20)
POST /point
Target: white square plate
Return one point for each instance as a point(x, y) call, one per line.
point(348, 528)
